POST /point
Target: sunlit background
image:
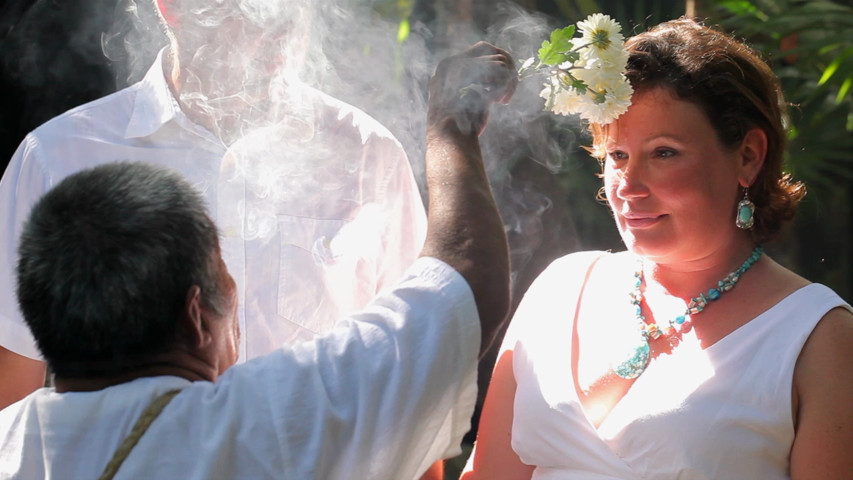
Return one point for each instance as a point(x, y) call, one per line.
point(378, 55)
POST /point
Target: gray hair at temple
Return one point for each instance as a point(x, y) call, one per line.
point(239, 35)
point(105, 262)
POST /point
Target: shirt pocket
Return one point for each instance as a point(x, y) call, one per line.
point(327, 269)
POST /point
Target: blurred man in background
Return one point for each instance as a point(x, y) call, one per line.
point(317, 201)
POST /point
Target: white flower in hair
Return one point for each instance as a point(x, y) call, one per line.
point(585, 75)
point(611, 98)
point(604, 37)
point(563, 101)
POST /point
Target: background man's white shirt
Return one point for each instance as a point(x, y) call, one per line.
point(316, 219)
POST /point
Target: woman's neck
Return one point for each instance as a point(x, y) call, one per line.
point(690, 277)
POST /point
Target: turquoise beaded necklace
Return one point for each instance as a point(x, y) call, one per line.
point(637, 360)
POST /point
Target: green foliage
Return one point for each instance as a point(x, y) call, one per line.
point(403, 31)
point(558, 50)
point(809, 44)
point(396, 10)
point(573, 10)
point(640, 15)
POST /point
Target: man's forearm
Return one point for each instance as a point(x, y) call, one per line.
point(465, 229)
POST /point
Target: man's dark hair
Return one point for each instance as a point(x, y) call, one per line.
point(105, 262)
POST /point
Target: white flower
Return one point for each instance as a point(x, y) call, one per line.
point(591, 82)
point(603, 36)
point(599, 74)
point(610, 59)
point(605, 101)
point(562, 101)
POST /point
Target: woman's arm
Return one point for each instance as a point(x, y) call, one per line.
point(21, 376)
point(435, 472)
point(493, 456)
point(823, 401)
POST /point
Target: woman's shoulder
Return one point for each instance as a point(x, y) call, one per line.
point(580, 264)
point(564, 277)
point(775, 283)
point(550, 302)
point(582, 260)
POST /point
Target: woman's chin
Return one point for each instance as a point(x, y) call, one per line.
point(646, 245)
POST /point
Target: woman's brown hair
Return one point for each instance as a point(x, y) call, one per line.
point(735, 88)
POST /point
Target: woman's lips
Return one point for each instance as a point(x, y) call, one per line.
point(635, 220)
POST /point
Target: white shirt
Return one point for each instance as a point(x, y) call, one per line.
point(317, 213)
point(384, 395)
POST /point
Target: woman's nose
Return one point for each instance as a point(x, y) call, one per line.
point(631, 181)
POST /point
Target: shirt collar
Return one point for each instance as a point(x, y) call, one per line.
point(153, 105)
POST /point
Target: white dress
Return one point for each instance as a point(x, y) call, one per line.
point(727, 409)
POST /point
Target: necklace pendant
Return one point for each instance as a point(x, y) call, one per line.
point(638, 358)
point(635, 363)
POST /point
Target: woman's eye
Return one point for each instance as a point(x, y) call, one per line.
point(664, 153)
point(618, 155)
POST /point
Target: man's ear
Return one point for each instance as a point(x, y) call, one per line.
point(193, 324)
point(752, 153)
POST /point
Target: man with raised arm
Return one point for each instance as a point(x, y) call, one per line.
point(122, 283)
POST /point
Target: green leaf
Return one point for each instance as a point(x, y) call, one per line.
point(550, 57)
point(826, 48)
point(554, 52)
point(738, 7)
point(833, 66)
point(573, 56)
point(403, 31)
point(845, 88)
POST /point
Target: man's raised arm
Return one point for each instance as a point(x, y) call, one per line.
point(465, 229)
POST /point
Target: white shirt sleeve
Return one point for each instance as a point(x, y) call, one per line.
point(386, 393)
point(23, 183)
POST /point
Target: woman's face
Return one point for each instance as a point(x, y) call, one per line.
point(670, 183)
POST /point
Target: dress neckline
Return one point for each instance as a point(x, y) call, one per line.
point(753, 323)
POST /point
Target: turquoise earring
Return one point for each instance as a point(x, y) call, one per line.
point(745, 212)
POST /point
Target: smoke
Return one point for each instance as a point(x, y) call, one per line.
point(251, 60)
point(130, 40)
point(527, 150)
point(388, 79)
point(249, 64)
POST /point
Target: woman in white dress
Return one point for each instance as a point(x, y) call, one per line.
point(692, 355)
